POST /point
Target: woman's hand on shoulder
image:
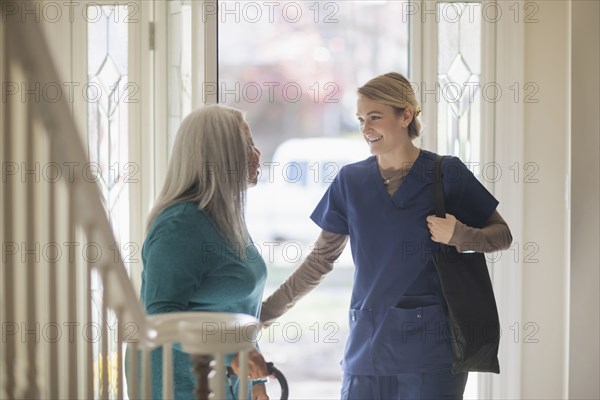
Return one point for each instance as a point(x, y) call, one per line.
point(441, 229)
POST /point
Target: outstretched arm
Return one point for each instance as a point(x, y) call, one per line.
point(306, 277)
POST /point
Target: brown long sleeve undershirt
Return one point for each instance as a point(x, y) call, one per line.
point(495, 235)
point(306, 277)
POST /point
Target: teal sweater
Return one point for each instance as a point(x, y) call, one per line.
point(188, 266)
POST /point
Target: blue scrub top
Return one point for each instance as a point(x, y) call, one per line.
point(398, 321)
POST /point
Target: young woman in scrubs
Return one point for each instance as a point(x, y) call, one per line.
point(399, 343)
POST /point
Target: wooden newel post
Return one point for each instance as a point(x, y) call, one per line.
point(202, 369)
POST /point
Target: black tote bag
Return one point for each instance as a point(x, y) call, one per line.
point(469, 296)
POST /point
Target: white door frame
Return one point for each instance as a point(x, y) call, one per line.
point(502, 39)
point(502, 144)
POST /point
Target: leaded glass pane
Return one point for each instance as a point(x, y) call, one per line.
point(459, 74)
point(108, 153)
point(107, 112)
point(459, 108)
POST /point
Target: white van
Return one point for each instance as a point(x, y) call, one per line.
point(292, 184)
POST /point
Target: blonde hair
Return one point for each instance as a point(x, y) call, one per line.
point(394, 90)
point(209, 167)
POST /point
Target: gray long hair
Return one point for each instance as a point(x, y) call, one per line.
point(209, 167)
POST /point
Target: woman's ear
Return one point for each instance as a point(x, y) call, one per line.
point(407, 117)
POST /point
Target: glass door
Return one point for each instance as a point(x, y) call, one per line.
point(294, 67)
point(107, 51)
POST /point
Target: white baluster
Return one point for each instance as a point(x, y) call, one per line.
point(243, 384)
point(218, 380)
point(72, 296)
point(167, 371)
point(146, 374)
point(31, 391)
point(9, 345)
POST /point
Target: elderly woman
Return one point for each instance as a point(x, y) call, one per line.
point(197, 254)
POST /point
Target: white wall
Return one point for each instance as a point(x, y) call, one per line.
point(545, 222)
point(584, 356)
point(561, 291)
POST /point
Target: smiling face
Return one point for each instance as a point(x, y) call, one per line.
point(383, 129)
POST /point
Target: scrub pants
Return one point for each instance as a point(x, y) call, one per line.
point(419, 386)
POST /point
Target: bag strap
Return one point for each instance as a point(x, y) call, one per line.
point(440, 206)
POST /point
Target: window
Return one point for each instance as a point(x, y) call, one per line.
point(179, 25)
point(459, 77)
point(460, 119)
point(109, 95)
point(294, 66)
point(108, 131)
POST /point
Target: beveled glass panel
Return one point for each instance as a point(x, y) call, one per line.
point(459, 74)
point(107, 109)
point(97, 33)
point(108, 149)
point(459, 109)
